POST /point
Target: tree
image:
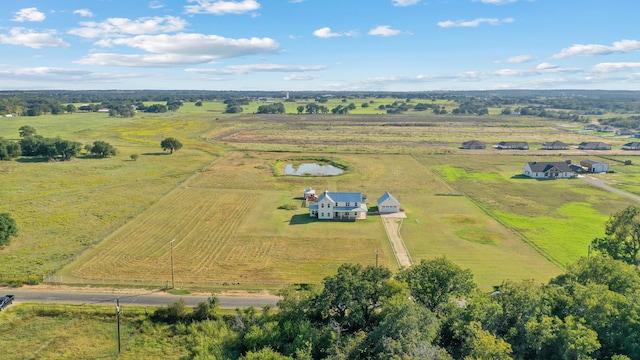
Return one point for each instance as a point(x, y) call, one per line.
point(300, 109)
point(70, 108)
point(434, 282)
point(9, 149)
point(8, 228)
point(26, 131)
point(170, 144)
point(622, 236)
point(134, 157)
point(102, 149)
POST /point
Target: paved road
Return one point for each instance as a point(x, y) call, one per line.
point(150, 299)
point(599, 183)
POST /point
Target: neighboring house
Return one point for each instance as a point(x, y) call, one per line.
point(548, 170)
point(606, 128)
point(388, 204)
point(594, 145)
point(636, 134)
point(474, 145)
point(339, 206)
point(624, 132)
point(594, 166)
point(517, 145)
point(555, 145)
point(634, 145)
point(592, 126)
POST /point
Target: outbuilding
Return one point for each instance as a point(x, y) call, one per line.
point(594, 166)
point(387, 203)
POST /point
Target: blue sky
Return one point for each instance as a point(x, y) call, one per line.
point(332, 45)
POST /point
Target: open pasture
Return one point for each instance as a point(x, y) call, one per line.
point(228, 228)
point(393, 133)
point(559, 217)
point(219, 197)
point(53, 331)
point(62, 208)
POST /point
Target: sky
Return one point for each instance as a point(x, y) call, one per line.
point(319, 45)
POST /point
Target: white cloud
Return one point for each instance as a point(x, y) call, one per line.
point(496, 2)
point(154, 4)
point(32, 39)
point(546, 66)
point(615, 66)
point(474, 23)
point(199, 44)
point(29, 14)
point(404, 2)
point(221, 7)
point(251, 68)
point(124, 26)
point(326, 33)
point(518, 59)
point(83, 12)
point(622, 46)
point(384, 30)
point(143, 60)
point(300, 77)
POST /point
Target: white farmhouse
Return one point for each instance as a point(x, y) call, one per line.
point(339, 206)
point(388, 204)
point(548, 170)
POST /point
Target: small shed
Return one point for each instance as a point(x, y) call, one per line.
point(594, 166)
point(310, 194)
point(388, 204)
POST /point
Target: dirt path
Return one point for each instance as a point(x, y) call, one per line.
point(392, 223)
point(599, 183)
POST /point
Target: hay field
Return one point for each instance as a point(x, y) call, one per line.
point(228, 228)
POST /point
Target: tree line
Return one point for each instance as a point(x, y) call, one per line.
point(434, 310)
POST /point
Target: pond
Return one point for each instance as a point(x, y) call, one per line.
point(311, 169)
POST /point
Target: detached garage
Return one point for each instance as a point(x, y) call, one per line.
point(388, 204)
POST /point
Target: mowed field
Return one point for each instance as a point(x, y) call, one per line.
point(111, 220)
point(228, 228)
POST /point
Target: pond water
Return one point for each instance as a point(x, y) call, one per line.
point(312, 169)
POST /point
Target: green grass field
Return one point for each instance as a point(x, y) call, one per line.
point(36, 331)
point(110, 220)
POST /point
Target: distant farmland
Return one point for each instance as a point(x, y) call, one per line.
point(110, 221)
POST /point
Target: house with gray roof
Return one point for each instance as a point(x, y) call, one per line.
point(634, 145)
point(555, 145)
point(339, 206)
point(514, 145)
point(548, 170)
point(387, 203)
point(594, 145)
point(474, 145)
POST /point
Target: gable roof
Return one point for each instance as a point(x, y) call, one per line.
point(341, 196)
point(556, 143)
point(387, 196)
point(544, 166)
point(473, 142)
point(594, 145)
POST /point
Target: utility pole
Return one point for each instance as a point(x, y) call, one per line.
point(118, 317)
point(376, 258)
point(173, 286)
